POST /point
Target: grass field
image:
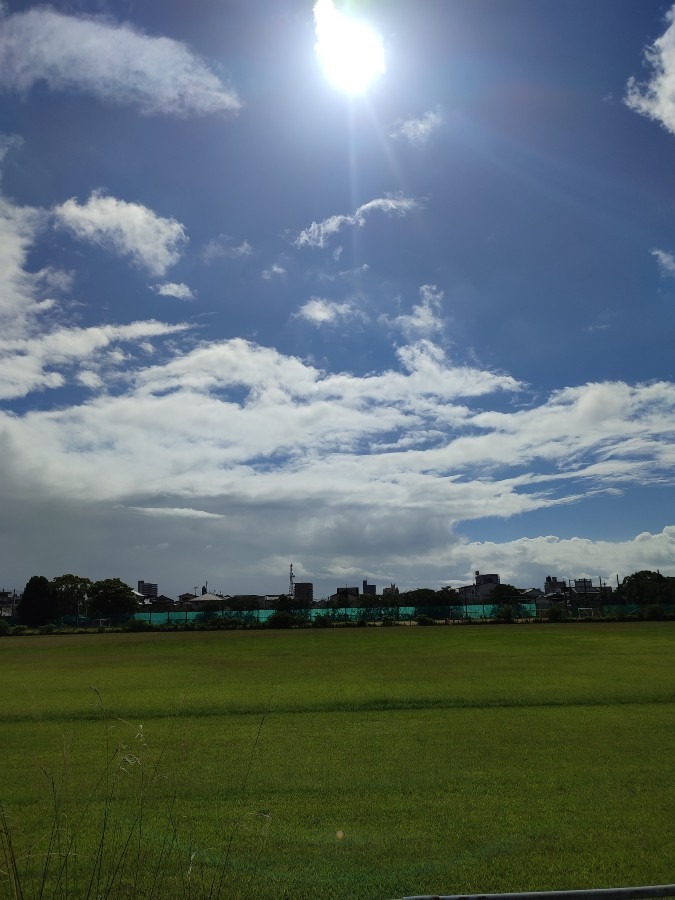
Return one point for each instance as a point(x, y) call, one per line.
point(342, 763)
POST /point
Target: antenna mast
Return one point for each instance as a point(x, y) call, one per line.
point(291, 580)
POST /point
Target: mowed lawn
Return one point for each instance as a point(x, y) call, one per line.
point(345, 763)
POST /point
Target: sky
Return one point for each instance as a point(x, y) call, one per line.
point(400, 319)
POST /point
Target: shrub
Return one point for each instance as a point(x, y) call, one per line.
point(137, 625)
point(654, 611)
point(282, 619)
point(555, 614)
point(503, 613)
point(19, 629)
point(5, 627)
point(425, 620)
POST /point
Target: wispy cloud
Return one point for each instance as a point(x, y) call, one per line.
point(655, 98)
point(39, 363)
point(418, 131)
point(425, 320)
point(171, 289)
point(222, 247)
point(127, 229)
point(665, 260)
point(116, 63)
point(180, 512)
point(273, 271)
point(319, 233)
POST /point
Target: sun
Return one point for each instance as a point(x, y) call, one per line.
point(350, 51)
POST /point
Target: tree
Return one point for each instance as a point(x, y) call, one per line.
point(504, 593)
point(37, 606)
point(420, 597)
point(70, 594)
point(111, 597)
point(284, 603)
point(645, 587)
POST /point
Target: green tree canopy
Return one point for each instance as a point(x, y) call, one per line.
point(70, 594)
point(646, 587)
point(419, 597)
point(37, 605)
point(504, 593)
point(111, 597)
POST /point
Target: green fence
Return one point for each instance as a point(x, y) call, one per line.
point(344, 614)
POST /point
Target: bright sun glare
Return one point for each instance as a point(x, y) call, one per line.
point(351, 53)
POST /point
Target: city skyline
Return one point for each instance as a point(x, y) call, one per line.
point(395, 322)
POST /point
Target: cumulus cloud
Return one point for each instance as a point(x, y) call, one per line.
point(127, 229)
point(115, 63)
point(326, 312)
point(418, 131)
point(171, 289)
point(527, 561)
point(655, 98)
point(318, 233)
point(222, 247)
point(284, 455)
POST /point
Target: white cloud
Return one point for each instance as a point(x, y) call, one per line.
point(344, 468)
point(656, 98)
point(326, 312)
point(418, 131)
point(127, 229)
point(115, 63)
point(665, 260)
point(527, 561)
point(29, 364)
point(90, 379)
point(221, 247)
point(319, 233)
point(273, 271)
point(171, 289)
point(20, 296)
point(175, 511)
point(425, 319)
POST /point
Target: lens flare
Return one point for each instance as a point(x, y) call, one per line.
point(352, 54)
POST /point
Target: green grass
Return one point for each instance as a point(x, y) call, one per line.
point(453, 760)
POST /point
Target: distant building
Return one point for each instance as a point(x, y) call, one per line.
point(369, 589)
point(480, 589)
point(149, 591)
point(303, 592)
point(391, 591)
point(202, 600)
point(8, 601)
point(345, 596)
point(554, 585)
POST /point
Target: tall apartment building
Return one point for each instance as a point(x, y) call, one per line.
point(303, 591)
point(148, 590)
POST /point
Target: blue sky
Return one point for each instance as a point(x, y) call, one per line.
point(249, 318)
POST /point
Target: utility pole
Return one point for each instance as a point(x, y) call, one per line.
point(291, 583)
